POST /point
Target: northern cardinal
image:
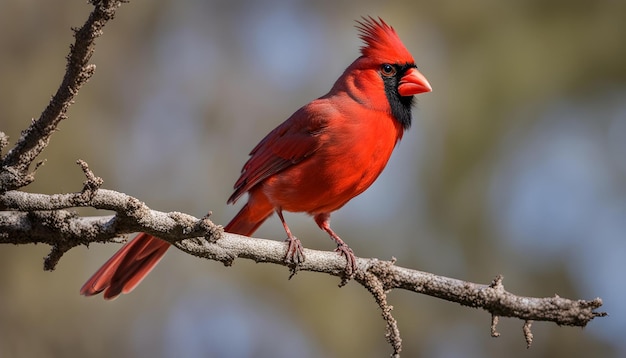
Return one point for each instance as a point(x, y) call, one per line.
point(326, 153)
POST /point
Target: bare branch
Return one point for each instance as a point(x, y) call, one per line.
point(38, 218)
point(376, 288)
point(42, 219)
point(494, 324)
point(15, 165)
point(528, 334)
point(4, 142)
point(492, 298)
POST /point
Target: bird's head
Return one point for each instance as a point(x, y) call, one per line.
point(386, 64)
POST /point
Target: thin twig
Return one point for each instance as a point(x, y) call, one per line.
point(374, 285)
point(528, 334)
point(16, 163)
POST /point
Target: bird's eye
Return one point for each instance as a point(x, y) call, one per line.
point(387, 70)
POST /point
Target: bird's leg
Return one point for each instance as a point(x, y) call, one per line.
point(295, 253)
point(323, 221)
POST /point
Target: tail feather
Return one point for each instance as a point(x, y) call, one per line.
point(247, 220)
point(125, 270)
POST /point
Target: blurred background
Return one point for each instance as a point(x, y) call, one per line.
point(515, 165)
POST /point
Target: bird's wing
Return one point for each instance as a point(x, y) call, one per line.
point(291, 142)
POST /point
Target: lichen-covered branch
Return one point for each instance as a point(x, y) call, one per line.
point(38, 218)
point(15, 164)
point(492, 298)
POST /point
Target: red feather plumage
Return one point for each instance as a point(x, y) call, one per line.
point(326, 153)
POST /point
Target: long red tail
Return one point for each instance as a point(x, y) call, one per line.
point(247, 220)
point(134, 261)
point(125, 270)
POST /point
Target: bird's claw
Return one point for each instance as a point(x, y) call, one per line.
point(295, 251)
point(344, 250)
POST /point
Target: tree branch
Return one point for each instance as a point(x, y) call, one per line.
point(39, 218)
point(15, 165)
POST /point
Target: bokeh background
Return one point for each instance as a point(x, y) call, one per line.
point(515, 165)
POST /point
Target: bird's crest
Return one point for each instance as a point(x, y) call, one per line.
point(382, 42)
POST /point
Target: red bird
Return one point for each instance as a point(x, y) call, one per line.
point(325, 154)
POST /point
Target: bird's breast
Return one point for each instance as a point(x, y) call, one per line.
point(353, 152)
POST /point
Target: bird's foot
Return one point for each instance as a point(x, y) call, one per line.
point(295, 254)
point(344, 250)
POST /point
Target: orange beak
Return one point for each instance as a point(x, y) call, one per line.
point(413, 82)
